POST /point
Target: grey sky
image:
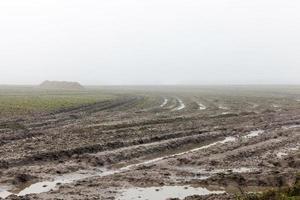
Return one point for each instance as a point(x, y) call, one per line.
point(150, 41)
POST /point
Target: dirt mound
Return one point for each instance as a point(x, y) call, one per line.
point(61, 85)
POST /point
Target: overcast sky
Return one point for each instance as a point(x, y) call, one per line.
point(150, 41)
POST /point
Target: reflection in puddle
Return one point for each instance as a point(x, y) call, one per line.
point(41, 187)
point(4, 193)
point(162, 193)
point(46, 186)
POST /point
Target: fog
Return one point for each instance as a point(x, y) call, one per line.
point(150, 42)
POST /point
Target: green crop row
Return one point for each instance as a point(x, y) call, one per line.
point(24, 101)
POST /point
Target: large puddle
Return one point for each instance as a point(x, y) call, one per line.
point(46, 186)
point(162, 193)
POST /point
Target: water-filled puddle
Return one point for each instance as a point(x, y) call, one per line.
point(225, 113)
point(4, 193)
point(201, 106)
point(164, 103)
point(181, 105)
point(162, 193)
point(226, 140)
point(46, 186)
point(254, 134)
point(41, 187)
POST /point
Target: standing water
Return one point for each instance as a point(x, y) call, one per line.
point(181, 105)
point(47, 186)
point(164, 103)
point(254, 134)
point(4, 193)
point(201, 106)
point(162, 193)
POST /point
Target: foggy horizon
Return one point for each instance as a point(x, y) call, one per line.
point(157, 85)
point(150, 43)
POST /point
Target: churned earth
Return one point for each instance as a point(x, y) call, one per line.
point(155, 143)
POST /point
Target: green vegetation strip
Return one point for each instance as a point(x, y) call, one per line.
point(24, 101)
point(285, 193)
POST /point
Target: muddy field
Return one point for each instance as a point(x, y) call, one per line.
point(155, 143)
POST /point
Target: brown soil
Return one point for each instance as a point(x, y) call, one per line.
point(116, 133)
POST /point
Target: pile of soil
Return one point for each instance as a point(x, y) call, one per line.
point(61, 85)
